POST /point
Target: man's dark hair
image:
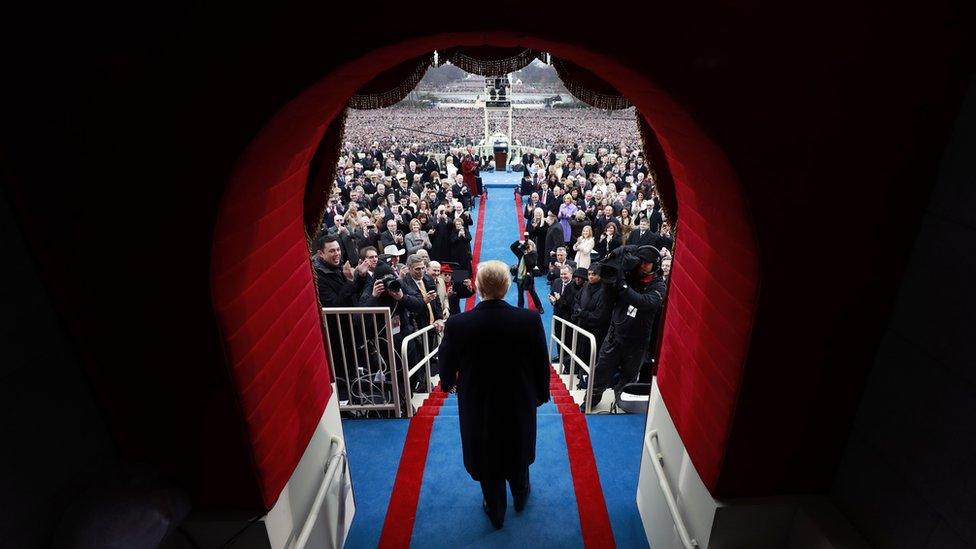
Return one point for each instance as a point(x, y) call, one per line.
point(364, 249)
point(321, 241)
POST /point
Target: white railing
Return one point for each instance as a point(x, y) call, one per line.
point(657, 459)
point(574, 359)
point(408, 370)
point(365, 353)
point(325, 524)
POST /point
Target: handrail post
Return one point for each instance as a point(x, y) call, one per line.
point(591, 374)
point(392, 365)
point(657, 460)
point(427, 362)
point(572, 363)
point(328, 345)
point(407, 390)
point(552, 330)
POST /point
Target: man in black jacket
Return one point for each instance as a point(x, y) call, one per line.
point(562, 295)
point(554, 238)
point(642, 235)
point(496, 356)
point(392, 236)
point(563, 292)
point(337, 287)
point(639, 296)
point(419, 285)
point(591, 311)
point(349, 242)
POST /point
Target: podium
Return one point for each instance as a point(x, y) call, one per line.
point(501, 157)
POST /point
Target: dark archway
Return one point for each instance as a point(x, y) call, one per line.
point(265, 300)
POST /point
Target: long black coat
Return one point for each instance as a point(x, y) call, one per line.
point(441, 241)
point(496, 355)
point(554, 239)
point(459, 250)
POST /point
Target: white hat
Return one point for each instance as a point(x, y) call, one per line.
point(392, 250)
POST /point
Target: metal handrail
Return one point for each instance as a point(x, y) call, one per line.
point(408, 371)
point(574, 359)
point(658, 461)
point(335, 471)
point(347, 313)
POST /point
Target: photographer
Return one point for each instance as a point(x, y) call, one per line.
point(388, 292)
point(526, 271)
point(639, 288)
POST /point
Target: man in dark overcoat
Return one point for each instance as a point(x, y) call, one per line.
point(497, 359)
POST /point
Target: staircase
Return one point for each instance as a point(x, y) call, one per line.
point(565, 385)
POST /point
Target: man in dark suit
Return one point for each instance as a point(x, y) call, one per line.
point(655, 218)
point(546, 196)
point(496, 356)
point(563, 292)
point(554, 237)
point(642, 235)
point(392, 235)
point(416, 283)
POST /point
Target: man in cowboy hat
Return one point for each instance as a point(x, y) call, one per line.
point(391, 255)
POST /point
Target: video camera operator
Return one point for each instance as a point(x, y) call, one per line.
point(633, 277)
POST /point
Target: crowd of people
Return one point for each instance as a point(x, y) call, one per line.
point(397, 230)
point(396, 233)
point(599, 235)
point(556, 129)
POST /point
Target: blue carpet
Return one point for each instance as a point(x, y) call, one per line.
point(617, 445)
point(449, 512)
point(475, 214)
point(373, 449)
point(501, 229)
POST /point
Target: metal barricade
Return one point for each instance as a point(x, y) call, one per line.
point(570, 351)
point(409, 371)
point(361, 358)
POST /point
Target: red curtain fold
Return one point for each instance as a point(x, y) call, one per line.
point(321, 175)
point(657, 163)
point(490, 60)
point(391, 86)
point(589, 88)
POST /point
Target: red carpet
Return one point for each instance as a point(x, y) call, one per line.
point(594, 518)
point(402, 509)
point(476, 247)
point(591, 506)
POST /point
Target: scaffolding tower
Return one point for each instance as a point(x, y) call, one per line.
point(498, 107)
